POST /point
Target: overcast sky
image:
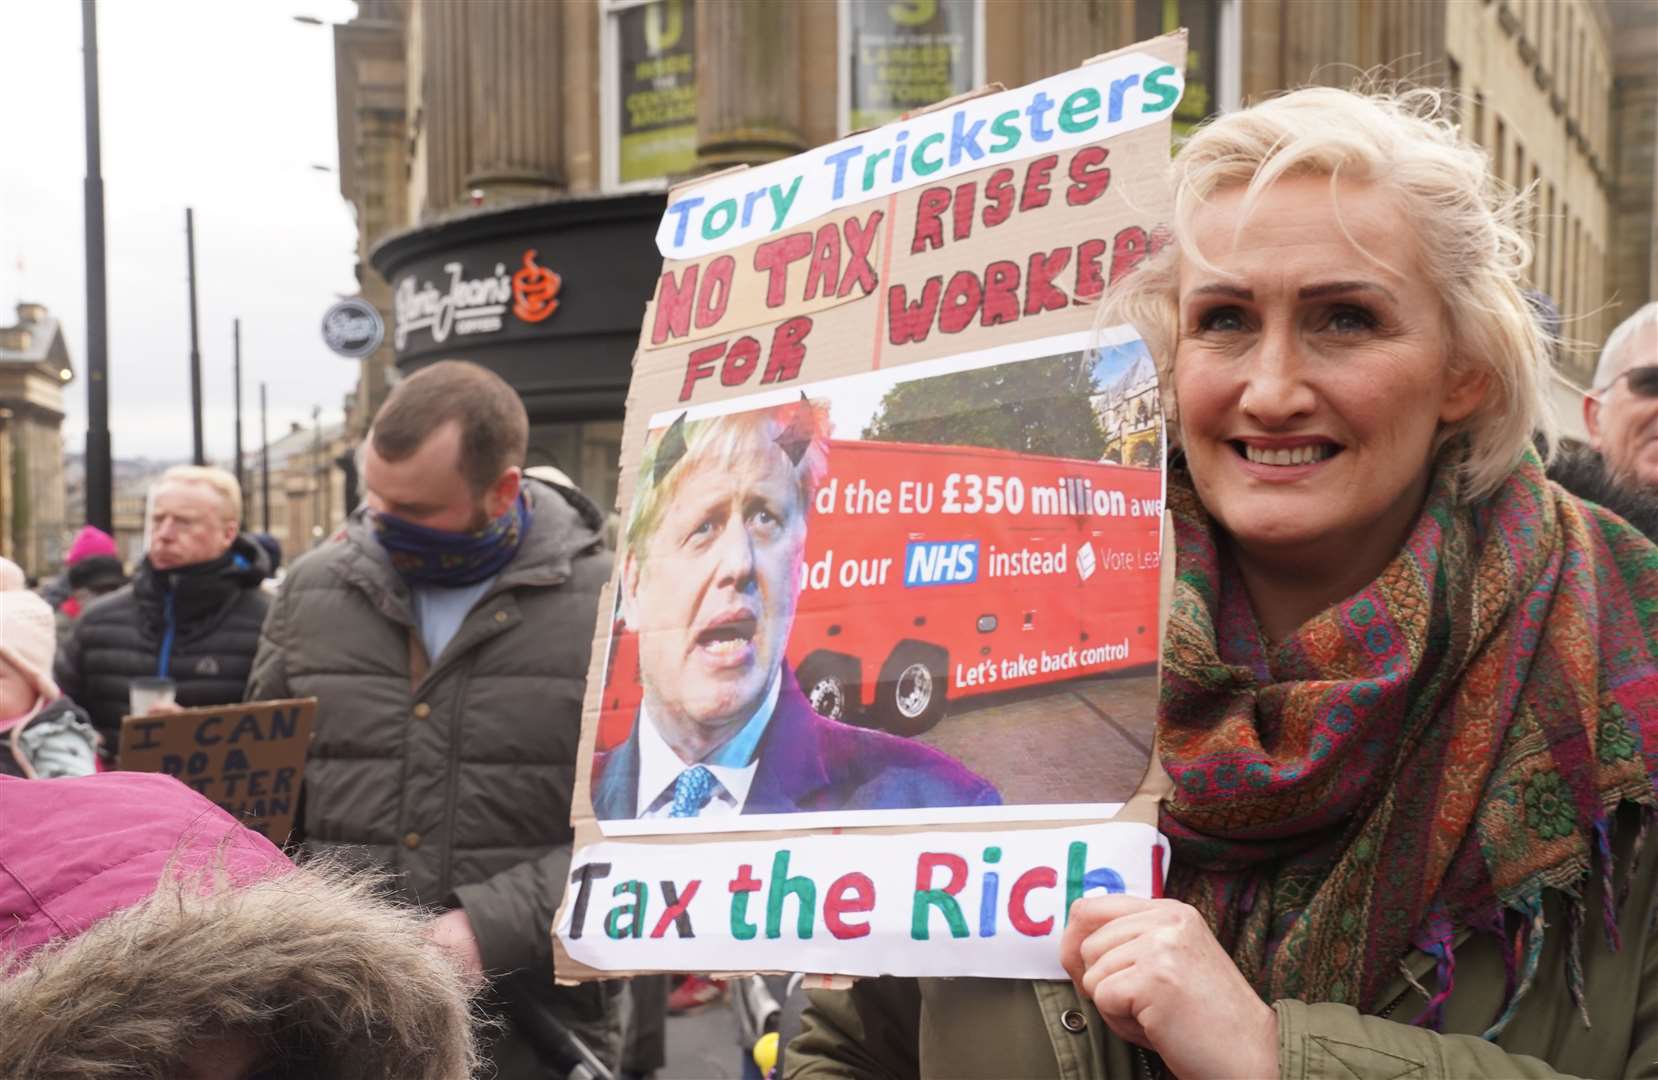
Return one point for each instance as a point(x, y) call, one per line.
point(223, 106)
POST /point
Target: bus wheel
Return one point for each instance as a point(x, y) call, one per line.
point(912, 690)
point(830, 684)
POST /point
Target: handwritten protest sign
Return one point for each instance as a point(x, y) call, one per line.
point(890, 558)
point(857, 905)
point(247, 758)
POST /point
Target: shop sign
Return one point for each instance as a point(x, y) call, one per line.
point(352, 328)
point(907, 54)
point(461, 303)
point(657, 90)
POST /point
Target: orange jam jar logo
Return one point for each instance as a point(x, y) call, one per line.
point(534, 290)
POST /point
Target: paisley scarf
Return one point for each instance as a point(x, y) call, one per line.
point(451, 559)
point(1426, 756)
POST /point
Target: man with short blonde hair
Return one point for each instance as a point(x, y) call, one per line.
point(221, 483)
point(191, 614)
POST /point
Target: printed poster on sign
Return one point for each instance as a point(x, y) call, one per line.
point(921, 594)
point(656, 89)
point(907, 54)
point(876, 667)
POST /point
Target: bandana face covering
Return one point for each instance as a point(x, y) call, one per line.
point(445, 559)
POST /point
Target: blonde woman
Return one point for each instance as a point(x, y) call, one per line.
point(1408, 701)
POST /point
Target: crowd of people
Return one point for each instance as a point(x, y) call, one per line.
point(1407, 733)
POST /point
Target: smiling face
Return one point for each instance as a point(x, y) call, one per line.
point(1311, 379)
point(712, 593)
point(1622, 424)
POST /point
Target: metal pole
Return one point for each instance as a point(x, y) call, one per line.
point(241, 477)
point(317, 475)
point(200, 456)
point(99, 483)
point(264, 463)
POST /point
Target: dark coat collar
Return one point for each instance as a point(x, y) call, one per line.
point(1582, 471)
point(204, 589)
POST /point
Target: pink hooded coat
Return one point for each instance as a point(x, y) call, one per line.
point(138, 919)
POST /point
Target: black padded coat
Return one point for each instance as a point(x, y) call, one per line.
point(197, 625)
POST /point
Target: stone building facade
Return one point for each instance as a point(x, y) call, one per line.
point(34, 368)
point(310, 476)
point(517, 147)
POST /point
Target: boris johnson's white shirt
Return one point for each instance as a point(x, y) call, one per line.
point(732, 763)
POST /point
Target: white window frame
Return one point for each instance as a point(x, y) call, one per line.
point(843, 59)
point(1229, 56)
point(610, 105)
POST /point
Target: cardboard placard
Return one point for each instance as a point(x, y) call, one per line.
point(883, 634)
point(248, 758)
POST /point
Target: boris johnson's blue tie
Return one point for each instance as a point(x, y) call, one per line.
point(692, 791)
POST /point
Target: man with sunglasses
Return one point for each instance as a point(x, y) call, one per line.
point(1621, 412)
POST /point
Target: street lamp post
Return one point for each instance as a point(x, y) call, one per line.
point(264, 463)
point(241, 478)
point(200, 455)
point(100, 511)
point(317, 473)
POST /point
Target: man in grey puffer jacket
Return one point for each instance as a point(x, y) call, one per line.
point(447, 639)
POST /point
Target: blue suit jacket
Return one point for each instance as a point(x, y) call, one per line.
point(809, 763)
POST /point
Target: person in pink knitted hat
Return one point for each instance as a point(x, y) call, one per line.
point(93, 568)
point(42, 733)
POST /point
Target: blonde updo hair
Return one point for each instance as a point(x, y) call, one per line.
point(1472, 249)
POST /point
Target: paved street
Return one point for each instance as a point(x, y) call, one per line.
point(703, 1046)
point(1086, 740)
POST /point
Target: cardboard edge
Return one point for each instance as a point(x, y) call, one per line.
point(1149, 44)
point(692, 181)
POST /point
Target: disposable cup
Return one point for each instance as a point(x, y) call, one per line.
point(145, 694)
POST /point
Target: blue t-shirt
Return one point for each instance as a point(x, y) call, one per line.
point(439, 612)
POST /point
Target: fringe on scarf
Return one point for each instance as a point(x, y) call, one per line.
point(1576, 916)
point(1647, 813)
point(1521, 959)
point(1610, 904)
point(1437, 943)
point(1528, 949)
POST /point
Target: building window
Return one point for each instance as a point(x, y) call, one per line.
point(1574, 270)
point(1563, 257)
point(1499, 151)
point(648, 91)
point(1534, 225)
point(584, 450)
point(1478, 133)
point(1205, 92)
point(1551, 44)
point(1547, 263)
point(1565, 81)
point(902, 55)
point(1229, 62)
point(1582, 63)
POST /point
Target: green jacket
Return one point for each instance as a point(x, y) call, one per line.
point(1009, 1030)
point(455, 775)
